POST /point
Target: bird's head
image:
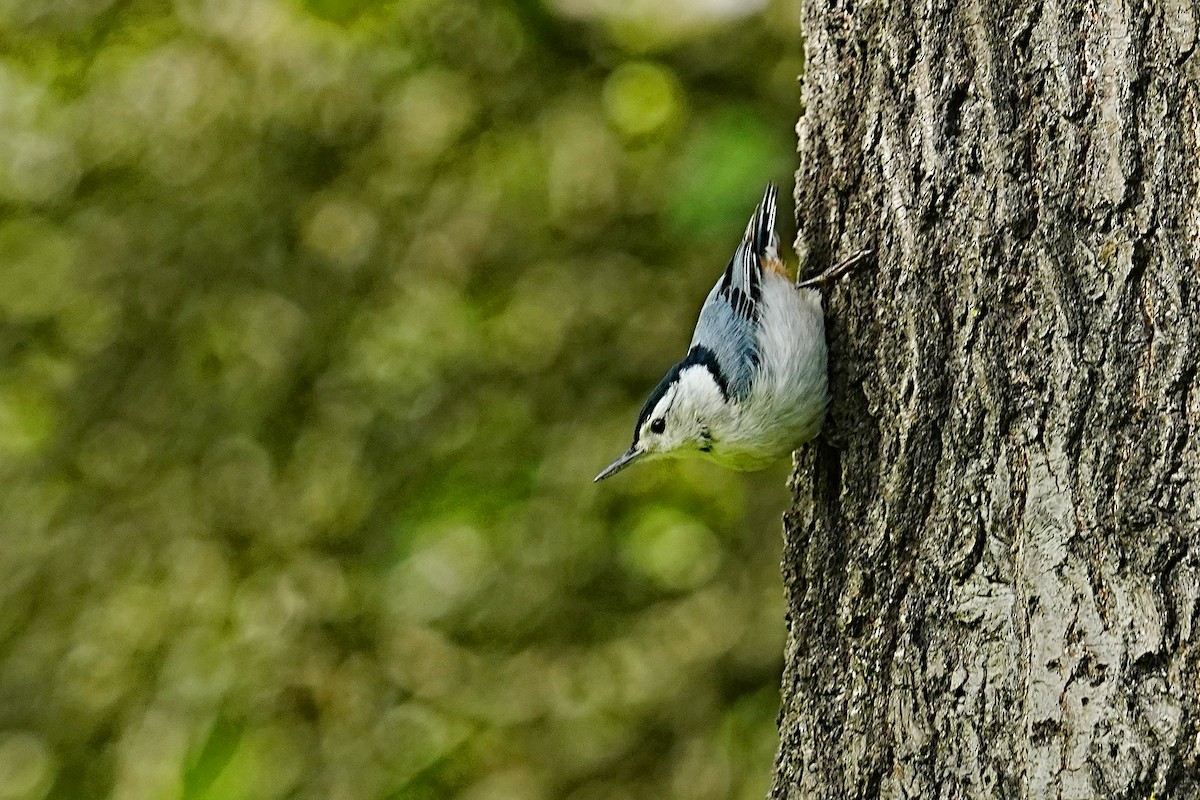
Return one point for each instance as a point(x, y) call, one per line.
point(678, 417)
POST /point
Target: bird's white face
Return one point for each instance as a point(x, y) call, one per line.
point(680, 422)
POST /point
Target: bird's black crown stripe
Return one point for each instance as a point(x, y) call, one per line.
point(656, 395)
point(697, 356)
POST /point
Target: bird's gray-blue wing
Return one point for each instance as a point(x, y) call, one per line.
point(728, 323)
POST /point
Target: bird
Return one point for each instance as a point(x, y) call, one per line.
point(752, 386)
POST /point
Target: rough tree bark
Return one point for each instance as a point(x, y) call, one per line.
point(993, 566)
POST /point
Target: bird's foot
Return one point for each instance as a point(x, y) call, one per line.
point(833, 273)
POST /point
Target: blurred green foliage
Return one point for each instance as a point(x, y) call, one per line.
point(317, 319)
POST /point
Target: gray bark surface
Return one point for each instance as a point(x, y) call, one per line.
point(992, 566)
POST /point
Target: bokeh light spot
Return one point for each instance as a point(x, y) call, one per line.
point(35, 168)
point(431, 111)
point(341, 231)
point(441, 573)
point(641, 98)
point(672, 549)
point(26, 767)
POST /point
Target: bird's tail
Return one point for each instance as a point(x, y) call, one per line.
point(760, 233)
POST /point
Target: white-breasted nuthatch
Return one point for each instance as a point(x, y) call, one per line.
point(752, 386)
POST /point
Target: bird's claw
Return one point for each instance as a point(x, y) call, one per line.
point(837, 271)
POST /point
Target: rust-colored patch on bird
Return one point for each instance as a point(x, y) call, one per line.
point(774, 264)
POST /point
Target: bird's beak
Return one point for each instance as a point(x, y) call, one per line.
point(620, 464)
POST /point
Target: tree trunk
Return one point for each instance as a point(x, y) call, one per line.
point(992, 562)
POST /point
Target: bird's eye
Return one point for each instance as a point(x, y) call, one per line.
point(658, 426)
